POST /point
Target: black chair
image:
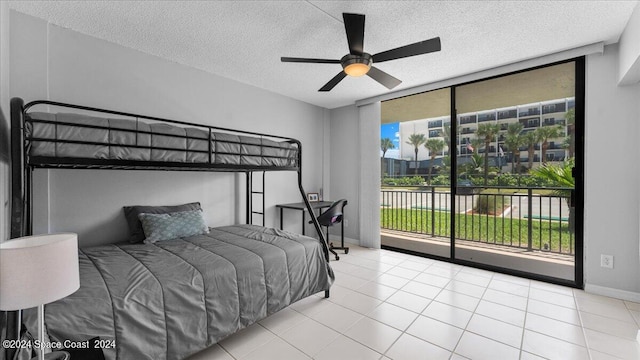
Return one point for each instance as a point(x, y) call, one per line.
point(332, 216)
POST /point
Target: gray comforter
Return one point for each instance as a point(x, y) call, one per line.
point(173, 298)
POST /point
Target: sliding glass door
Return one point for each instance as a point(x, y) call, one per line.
point(497, 187)
point(415, 159)
point(515, 172)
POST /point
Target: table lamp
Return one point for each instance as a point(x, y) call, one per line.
point(36, 270)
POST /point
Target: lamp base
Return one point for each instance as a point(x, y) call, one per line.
point(56, 355)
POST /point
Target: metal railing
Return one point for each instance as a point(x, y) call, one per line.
point(533, 219)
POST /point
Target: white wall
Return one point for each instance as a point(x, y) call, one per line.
point(629, 61)
point(612, 176)
point(4, 121)
point(50, 62)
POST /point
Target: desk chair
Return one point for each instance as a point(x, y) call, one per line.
point(332, 216)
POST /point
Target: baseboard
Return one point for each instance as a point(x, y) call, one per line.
point(611, 292)
point(336, 240)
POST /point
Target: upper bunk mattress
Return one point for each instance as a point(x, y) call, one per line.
point(65, 135)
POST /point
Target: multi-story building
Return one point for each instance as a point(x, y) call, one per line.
point(532, 117)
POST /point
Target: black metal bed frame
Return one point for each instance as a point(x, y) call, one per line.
point(23, 164)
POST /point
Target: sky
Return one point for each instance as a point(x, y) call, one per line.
point(391, 131)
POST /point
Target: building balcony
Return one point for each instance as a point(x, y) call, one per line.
point(530, 123)
point(487, 117)
point(507, 114)
point(435, 124)
point(554, 108)
point(467, 120)
point(552, 122)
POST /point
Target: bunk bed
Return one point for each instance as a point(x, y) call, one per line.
point(220, 280)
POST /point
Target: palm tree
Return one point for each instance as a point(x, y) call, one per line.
point(570, 118)
point(435, 147)
point(513, 142)
point(546, 133)
point(385, 144)
point(474, 166)
point(560, 176)
point(488, 133)
point(530, 140)
point(476, 144)
point(446, 134)
point(416, 140)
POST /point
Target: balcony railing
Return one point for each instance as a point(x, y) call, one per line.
point(530, 123)
point(529, 112)
point(551, 122)
point(532, 219)
point(486, 117)
point(507, 114)
point(467, 119)
point(435, 124)
point(553, 108)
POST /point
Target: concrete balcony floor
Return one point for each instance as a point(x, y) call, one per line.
point(538, 262)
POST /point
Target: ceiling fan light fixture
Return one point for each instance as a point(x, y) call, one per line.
point(356, 65)
point(357, 69)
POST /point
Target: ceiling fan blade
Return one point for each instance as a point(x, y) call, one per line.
point(307, 60)
point(354, 26)
point(333, 82)
point(383, 78)
point(419, 48)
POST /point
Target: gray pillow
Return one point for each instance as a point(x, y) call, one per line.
point(135, 227)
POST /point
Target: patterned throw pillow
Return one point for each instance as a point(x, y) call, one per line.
point(160, 227)
point(135, 226)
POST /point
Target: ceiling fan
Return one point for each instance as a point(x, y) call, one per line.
point(359, 63)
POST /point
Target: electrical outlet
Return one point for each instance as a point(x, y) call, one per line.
point(346, 223)
point(606, 261)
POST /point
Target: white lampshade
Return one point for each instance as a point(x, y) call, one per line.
point(36, 270)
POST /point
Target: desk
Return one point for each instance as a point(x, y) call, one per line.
point(319, 205)
point(300, 206)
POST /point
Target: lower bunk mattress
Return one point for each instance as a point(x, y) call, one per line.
point(171, 299)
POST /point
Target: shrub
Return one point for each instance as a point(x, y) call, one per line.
point(388, 181)
point(534, 181)
point(491, 204)
point(403, 181)
point(440, 180)
point(476, 180)
point(504, 180)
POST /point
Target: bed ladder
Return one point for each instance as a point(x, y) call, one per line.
point(251, 192)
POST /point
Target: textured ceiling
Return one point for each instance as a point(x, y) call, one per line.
point(244, 40)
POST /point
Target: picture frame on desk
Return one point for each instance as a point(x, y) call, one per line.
point(313, 197)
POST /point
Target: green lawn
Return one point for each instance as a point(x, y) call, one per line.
point(482, 228)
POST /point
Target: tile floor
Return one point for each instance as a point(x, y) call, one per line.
point(388, 305)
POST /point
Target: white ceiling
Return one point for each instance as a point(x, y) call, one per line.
point(244, 40)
